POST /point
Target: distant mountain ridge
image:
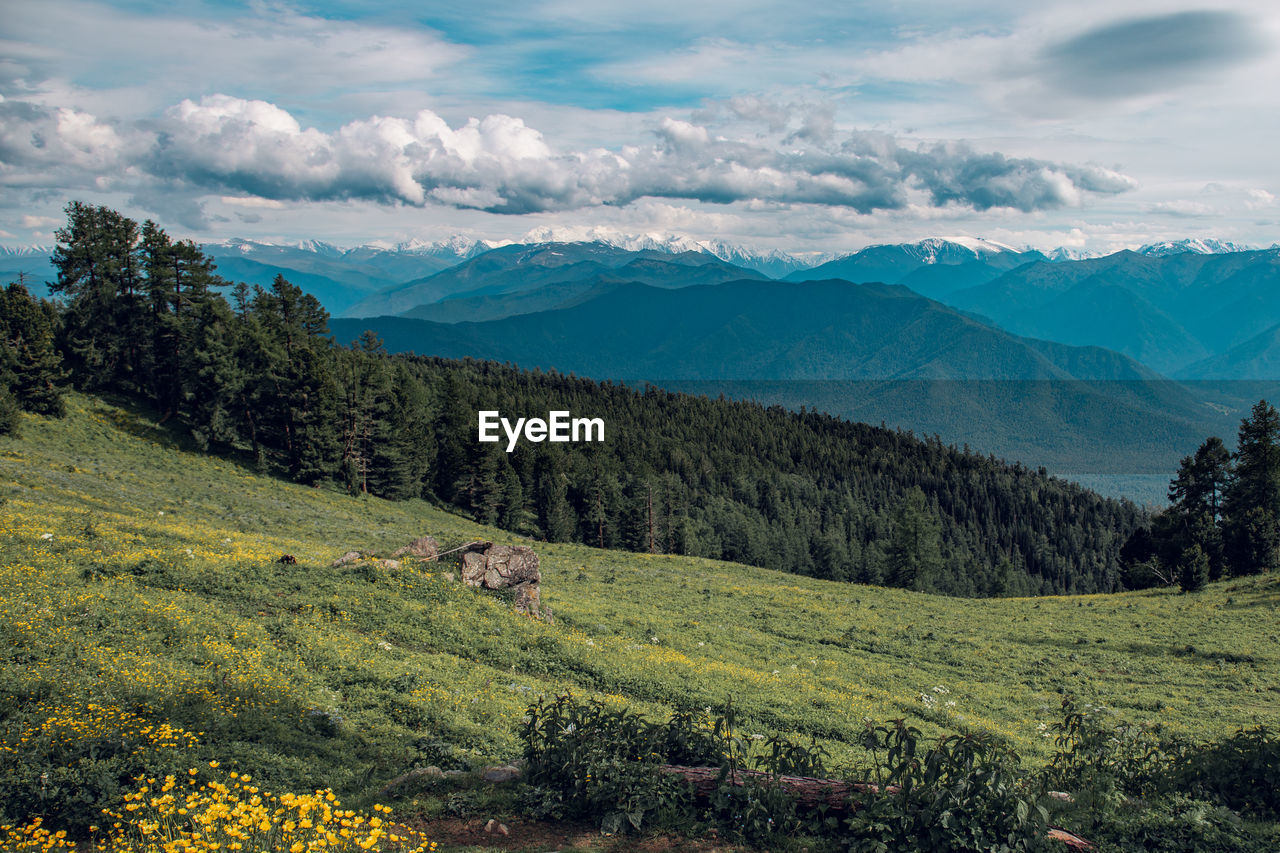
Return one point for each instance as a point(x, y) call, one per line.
point(1169, 311)
point(870, 352)
point(521, 279)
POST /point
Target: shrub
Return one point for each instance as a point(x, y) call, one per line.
point(965, 793)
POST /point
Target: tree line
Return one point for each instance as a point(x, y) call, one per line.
point(1223, 517)
point(256, 372)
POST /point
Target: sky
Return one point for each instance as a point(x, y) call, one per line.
point(824, 126)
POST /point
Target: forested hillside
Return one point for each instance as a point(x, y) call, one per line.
point(141, 315)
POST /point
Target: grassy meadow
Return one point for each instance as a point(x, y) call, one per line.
point(142, 603)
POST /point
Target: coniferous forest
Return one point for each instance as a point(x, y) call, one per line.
point(255, 371)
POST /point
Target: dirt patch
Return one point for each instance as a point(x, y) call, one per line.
point(532, 836)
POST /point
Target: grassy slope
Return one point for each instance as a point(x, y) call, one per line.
point(158, 594)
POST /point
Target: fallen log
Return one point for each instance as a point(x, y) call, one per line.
point(808, 790)
point(812, 792)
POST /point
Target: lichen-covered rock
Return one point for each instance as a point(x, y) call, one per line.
point(527, 599)
point(506, 773)
point(510, 565)
point(424, 548)
point(346, 559)
point(473, 568)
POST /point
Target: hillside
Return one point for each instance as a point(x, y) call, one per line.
point(874, 353)
point(142, 577)
point(1256, 359)
point(755, 330)
point(522, 278)
point(1168, 311)
point(934, 265)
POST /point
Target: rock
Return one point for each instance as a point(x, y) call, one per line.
point(506, 773)
point(390, 564)
point(527, 598)
point(424, 548)
point(488, 827)
point(346, 559)
point(502, 829)
point(547, 615)
point(414, 775)
point(510, 565)
point(449, 576)
point(473, 568)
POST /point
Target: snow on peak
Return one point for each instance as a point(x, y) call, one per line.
point(1205, 246)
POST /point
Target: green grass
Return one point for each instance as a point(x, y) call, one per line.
point(158, 594)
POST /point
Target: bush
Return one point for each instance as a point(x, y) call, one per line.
point(1241, 773)
point(593, 760)
point(963, 794)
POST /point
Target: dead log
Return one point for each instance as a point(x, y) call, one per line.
point(811, 792)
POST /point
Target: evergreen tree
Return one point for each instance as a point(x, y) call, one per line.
point(215, 378)
point(29, 363)
point(555, 515)
point(1193, 569)
point(98, 276)
point(8, 406)
point(1251, 530)
point(913, 557)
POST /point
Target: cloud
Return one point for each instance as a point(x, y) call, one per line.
point(499, 164)
point(1140, 56)
point(252, 153)
point(1181, 208)
point(58, 147)
point(1257, 199)
point(29, 221)
point(85, 49)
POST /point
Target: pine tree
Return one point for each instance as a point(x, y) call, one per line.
point(1251, 531)
point(29, 362)
point(98, 276)
point(913, 559)
point(555, 515)
point(1193, 569)
point(215, 378)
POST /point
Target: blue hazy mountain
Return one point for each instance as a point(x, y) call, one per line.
point(521, 279)
point(933, 267)
point(337, 277)
point(33, 264)
point(1169, 311)
point(872, 352)
point(1256, 358)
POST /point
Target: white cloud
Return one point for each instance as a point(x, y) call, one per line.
point(1258, 199)
point(1181, 207)
point(239, 148)
point(56, 54)
point(251, 201)
point(29, 221)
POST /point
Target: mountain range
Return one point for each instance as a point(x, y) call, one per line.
point(871, 352)
point(1170, 312)
point(522, 279)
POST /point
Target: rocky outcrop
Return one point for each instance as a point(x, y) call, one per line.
point(505, 567)
point(500, 566)
point(528, 599)
point(424, 548)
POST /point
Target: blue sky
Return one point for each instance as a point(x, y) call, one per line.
point(825, 126)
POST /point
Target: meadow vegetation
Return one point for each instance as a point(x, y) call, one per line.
point(149, 629)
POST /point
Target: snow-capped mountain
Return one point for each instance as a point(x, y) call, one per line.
point(457, 246)
point(773, 263)
point(1065, 253)
point(1205, 246)
point(24, 251)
